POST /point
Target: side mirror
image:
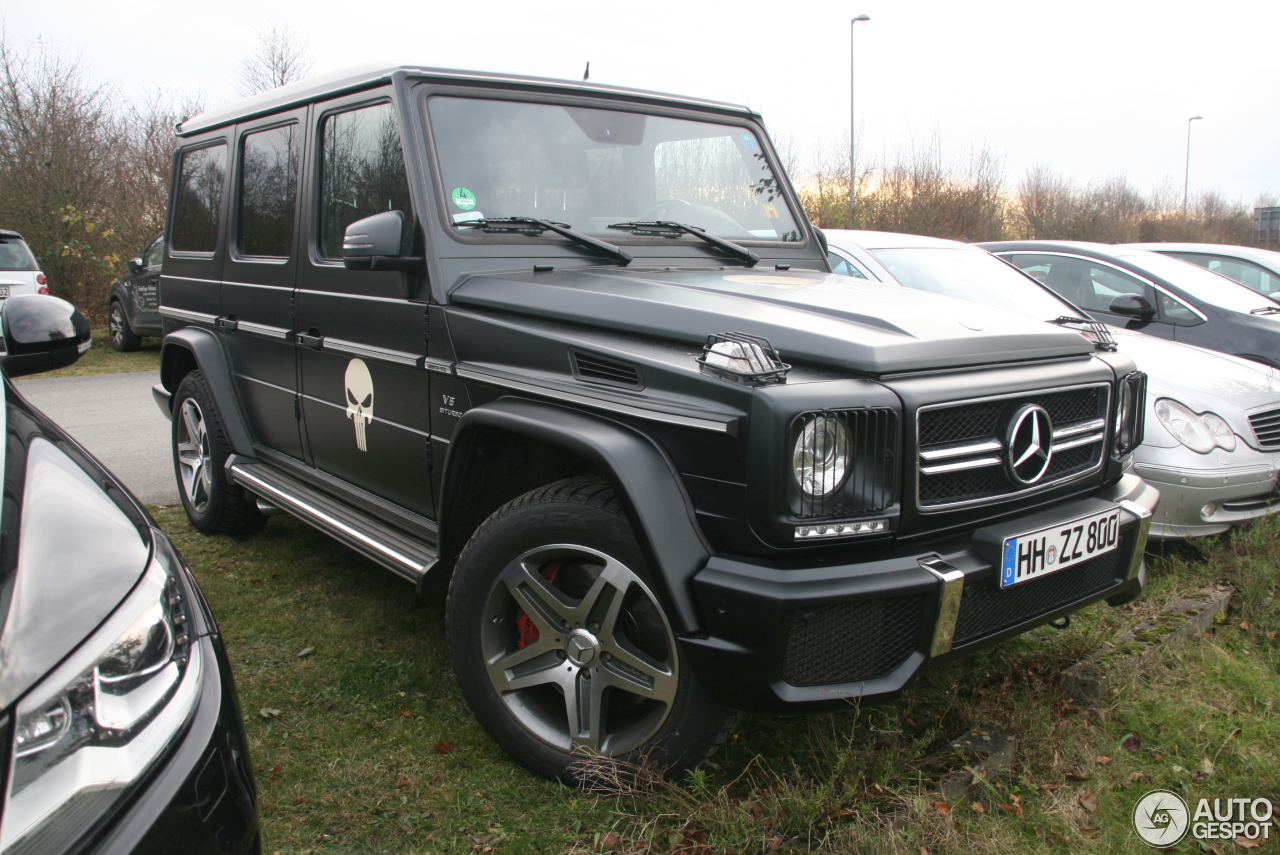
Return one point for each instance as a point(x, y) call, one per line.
point(1132, 306)
point(374, 244)
point(135, 266)
point(42, 333)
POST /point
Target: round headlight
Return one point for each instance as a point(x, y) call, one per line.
point(1223, 435)
point(820, 461)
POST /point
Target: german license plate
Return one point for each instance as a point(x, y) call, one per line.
point(4, 292)
point(1048, 550)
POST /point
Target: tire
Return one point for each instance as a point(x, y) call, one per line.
point(123, 338)
point(551, 618)
point(214, 504)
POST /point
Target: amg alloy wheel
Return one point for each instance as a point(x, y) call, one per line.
point(562, 647)
point(213, 503)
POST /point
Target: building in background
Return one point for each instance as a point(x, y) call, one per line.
point(1266, 227)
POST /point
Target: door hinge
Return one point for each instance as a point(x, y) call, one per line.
point(430, 458)
point(297, 409)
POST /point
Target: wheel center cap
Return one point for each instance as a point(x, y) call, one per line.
point(581, 647)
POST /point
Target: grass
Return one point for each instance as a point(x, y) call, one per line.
point(362, 743)
point(102, 358)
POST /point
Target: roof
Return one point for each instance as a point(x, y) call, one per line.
point(5, 233)
point(1218, 248)
point(887, 240)
point(363, 77)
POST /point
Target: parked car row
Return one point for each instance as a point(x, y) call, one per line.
point(1210, 445)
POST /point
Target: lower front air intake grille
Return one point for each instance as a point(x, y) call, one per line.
point(986, 608)
point(851, 641)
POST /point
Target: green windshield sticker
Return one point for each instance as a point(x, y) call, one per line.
point(464, 198)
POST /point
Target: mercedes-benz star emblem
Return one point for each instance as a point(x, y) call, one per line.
point(581, 648)
point(1030, 444)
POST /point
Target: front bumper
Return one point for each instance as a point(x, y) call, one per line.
point(1202, 494)
point(801, 639)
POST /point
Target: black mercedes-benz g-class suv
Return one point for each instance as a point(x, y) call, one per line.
point(576, 350)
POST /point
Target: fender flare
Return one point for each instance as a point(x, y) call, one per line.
point(211, 360)
point(646, 480)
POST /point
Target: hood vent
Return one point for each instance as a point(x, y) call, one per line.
point(594, 368)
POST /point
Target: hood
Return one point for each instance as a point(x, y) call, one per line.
point(78, 553)
point(1203, 379)
point(810, 317)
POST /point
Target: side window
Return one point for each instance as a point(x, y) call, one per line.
point(1244, 272)
point(1108, 284)
point(268, 191)
point(362, 173)
point(844, 268)
point(1174, 309)
point(198, 215)
point(154, 254)
point(1066, 276)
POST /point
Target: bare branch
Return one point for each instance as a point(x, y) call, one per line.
point(280, 58)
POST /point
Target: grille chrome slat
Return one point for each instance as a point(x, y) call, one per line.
point(962, 450)
point(1095, 425)
point(960, 466)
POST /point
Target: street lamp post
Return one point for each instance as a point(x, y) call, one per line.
point(1186, 181)
point(853, 158)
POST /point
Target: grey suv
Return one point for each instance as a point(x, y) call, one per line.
point(576, 350)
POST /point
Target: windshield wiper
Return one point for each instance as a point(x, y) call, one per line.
point(535, 226)
point(668, 228)
point(1265, 310)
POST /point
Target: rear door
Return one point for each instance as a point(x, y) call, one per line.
point(262, 261)
point(362, 335)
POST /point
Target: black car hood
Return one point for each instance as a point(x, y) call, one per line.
point(72, 546)
point(808, 316)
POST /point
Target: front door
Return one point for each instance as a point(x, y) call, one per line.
point(362, 335)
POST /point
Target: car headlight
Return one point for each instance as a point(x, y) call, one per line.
point(92, 728)
point(820, 459)
point(1199, 432)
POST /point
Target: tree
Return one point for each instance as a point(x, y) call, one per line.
point(281, 57)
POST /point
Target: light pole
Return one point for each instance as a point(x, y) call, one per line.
point(853, 158)
point(1186, 181)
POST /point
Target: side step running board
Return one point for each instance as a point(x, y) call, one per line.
point(397, 552)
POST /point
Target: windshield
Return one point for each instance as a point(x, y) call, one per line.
point(589, 169)
point(1201, 284)
point(972, 274)
point(14, 255)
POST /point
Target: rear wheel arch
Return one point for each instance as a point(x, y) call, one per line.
point(192, 348)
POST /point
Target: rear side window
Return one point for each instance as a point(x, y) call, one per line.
point(1244, 272)
point(268, 191)
point(199, 203)
point(362, 174)
point(14, 255)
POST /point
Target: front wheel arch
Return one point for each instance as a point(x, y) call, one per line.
point(646, 481)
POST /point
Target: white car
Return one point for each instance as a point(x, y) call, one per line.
point(1255, 268)
point(19, 272)
point(1212, 442)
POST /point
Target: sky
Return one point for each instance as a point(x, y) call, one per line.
point(1090, 89)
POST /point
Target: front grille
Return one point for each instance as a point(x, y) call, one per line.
point(986, 608)
point(851, 641)
point(865, 481)
point(962, 446)
point(1253, 503)
point(1266, 427)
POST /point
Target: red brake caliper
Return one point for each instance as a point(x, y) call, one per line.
point(525, 627)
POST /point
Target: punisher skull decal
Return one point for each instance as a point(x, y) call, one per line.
point(359, 398)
